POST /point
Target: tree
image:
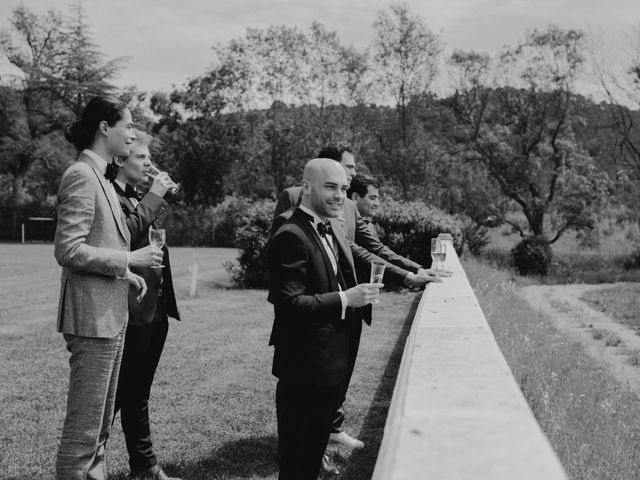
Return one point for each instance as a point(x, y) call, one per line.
point(60, 68)
point(521, 131)
point(406, 58)
point(38, 57)
point(199, 153)
point(621, 86)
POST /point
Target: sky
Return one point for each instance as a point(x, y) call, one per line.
point(170, 41)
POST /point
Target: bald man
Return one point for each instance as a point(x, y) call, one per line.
point(318, 308)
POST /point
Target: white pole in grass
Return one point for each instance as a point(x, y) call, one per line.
point(22, 233)
point(194, 280)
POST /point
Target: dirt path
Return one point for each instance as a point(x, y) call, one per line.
point(611, 343)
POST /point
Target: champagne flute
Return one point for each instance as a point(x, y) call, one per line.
point(154, 171)
point(442, 253)
point(435, 254)
point(157, 238)
point(377, 272)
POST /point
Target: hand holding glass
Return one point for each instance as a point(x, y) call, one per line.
point(377, 272)
point(154, 171)
point(157, 238)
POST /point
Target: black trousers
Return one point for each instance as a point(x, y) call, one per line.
point(304, 421)
point(142, 349)
point(338, 416)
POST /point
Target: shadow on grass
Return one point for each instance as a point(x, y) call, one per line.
point(242, 458)
point(251, 457)
point(362, 462)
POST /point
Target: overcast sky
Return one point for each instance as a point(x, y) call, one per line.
point(169, 41)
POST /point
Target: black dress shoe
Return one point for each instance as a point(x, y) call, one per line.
point(151, 473)
point(327, 467)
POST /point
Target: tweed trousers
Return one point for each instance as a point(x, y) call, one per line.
point(93, 380)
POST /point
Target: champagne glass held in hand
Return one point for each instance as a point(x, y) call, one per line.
point(157, 238)
point(377, 272)
point(154, 171)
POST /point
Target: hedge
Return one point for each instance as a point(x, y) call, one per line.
point(407, 228)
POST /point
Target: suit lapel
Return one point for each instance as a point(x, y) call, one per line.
point(343, 246)
point(106, 188)
point(307, 227)
point(349, 210)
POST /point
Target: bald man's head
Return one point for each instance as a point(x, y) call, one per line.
point(324, 187)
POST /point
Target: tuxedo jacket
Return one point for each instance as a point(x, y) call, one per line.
point(159, 281)
point(364, 244)
point(90, 244)
point(313, 345)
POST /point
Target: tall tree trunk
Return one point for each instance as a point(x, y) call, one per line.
point(535, 217)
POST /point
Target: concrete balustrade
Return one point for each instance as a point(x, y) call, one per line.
point(457, 412)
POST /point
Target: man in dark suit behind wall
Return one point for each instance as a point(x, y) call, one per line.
point(318, 314)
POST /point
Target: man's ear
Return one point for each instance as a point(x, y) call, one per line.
point(119, 161)
point(103, 128)
point(355, 197)
point(305, 187)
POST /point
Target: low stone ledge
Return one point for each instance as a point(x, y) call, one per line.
point(457, 412)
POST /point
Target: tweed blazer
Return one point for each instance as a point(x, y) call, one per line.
point(90, 244)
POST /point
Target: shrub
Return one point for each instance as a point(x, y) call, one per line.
point(227, 218)
point(187, 225)
point(475, 236)
point(532, 255)
point(408, 227)
point(405, 227)
point(633, 261)
point(251, 238)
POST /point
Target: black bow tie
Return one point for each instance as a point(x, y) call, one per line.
point(324, 229)
point(112, 172)
point(130, 192)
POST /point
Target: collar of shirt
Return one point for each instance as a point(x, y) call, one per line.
point(122, 185)
point(327, 241)
point(101, 162)
point(316, 219)
point(102, 165)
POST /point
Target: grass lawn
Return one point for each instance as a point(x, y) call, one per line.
point(592, 421)
point(621, 302)
point(212, 404)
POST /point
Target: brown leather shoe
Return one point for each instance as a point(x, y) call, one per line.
point(327, 467)
point(151, 473)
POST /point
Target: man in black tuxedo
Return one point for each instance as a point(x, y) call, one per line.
point(319, 310)
point(148, 320)
point(365, 248)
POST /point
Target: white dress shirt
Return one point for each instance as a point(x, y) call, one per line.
point(102, 165)
point(123, 186)
point(326, 242)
